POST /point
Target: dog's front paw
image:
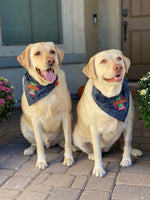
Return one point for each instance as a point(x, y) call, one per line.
point(99, 172)
point(68, 162)
point(41, 164)
point(126, 162)
point(136, 152)
point(29, 151)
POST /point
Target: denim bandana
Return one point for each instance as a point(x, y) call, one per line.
point(34, 91)
point(117, 106)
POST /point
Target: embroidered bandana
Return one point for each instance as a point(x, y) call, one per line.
point(117, 106)
point(34, 91)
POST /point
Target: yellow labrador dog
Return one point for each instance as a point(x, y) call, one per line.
point(105, 109)
point(46, 102)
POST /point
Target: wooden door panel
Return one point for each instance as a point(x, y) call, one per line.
point(145, 46)
point(135, 7)
point(137, 44)
point(135, 47)
point(137, 23)
point(140, 47)
point(145, 7)
point(140, 7)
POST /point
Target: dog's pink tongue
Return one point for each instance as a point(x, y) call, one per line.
point(49, 76)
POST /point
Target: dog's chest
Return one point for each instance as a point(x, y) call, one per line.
point(105, 123)
point(51, 122)
point(110, 130)
point(52, 112)
point(48, 111)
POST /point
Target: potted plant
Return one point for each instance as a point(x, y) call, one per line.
point(143, 99)
point(7, 99)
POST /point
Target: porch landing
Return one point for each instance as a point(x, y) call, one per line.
point(20, 180)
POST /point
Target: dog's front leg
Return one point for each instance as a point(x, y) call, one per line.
point(98, 166)
point(41, 158)
point(126, 159)
point(68, 158)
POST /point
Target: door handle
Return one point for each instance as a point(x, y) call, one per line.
point(125, 24)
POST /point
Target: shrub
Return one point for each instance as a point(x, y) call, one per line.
point(143, 99)
point(7, 99)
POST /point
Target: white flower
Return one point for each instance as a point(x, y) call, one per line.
point(143, 92)
point(144, 79)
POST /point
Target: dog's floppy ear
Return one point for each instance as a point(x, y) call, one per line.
point(24, 57)
point(89, 69)
point(60, 54)
point(127, 63)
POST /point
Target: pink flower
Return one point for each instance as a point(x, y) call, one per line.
point(7, 89)
point(0, 82)
point(9, 97)
point(2, 88)
point(4, 82)
point(2, 101)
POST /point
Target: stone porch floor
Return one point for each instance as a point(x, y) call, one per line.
point(20, 180)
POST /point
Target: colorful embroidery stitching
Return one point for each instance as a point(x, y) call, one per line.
point(32, 87)
point(119, 103)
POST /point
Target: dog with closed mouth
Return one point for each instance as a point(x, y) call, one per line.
point(105, 109)
point(46, 102)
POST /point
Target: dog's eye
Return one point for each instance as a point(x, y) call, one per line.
point(52, 52)
point(37, 53)
point(119, 58)
point(103, 61)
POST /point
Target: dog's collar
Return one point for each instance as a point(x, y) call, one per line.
point(34, 91)
point(117, 106)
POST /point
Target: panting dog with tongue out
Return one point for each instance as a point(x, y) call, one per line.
point(46, 102)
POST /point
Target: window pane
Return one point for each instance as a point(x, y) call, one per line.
point(44, 17)
point(27, 21)
point(15, 21)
